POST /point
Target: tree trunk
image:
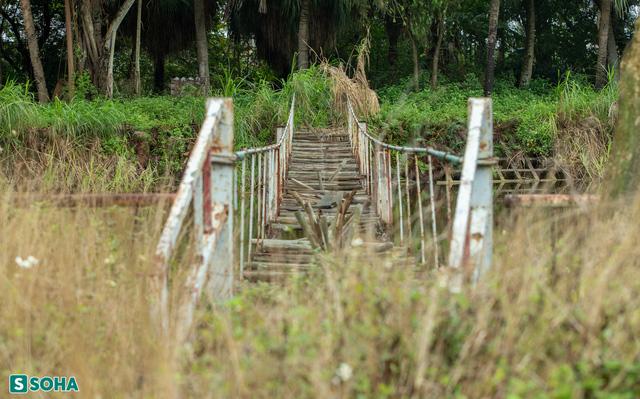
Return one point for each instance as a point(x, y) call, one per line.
point(158, 73)
point(494, 14)
point(34, 52)
point(101, 48)
point(393, 30)
point(603, 36)
point(202, 45)
point(110, 43)
point(624, 170)
point(416, 64)
point(435, 63)
point(71, 69)
point(136, 74)
point(613, 59)
point(530, 45)
point(303, 35)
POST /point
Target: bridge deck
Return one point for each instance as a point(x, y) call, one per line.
point(321, 163)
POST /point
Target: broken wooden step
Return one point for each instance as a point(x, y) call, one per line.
point(266, 276)
point(275, 244)
point(279, 266)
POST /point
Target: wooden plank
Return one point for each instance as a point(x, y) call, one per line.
point(550, 200)
point(94, 200)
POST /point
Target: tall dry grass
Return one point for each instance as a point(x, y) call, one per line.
point(82, 309)
point(557, 317)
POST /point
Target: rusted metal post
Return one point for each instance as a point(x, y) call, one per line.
point(259, 182)
point(400, 198)
point(420, 212)
point(389, 185)
point(434, 221)
point(221, 277)
point(263, 222)
point(383, 180)
point(252, 187)
point(408, 192)
point(243, 194)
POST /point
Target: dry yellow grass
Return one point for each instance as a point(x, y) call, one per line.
point(555, 318)
point(81, 310)
point(363, 99)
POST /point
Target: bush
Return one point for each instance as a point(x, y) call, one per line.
point(526, 121)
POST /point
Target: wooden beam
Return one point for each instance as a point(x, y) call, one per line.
point(549, 200)
point(94, 200)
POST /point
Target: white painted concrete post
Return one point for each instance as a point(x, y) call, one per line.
point(221, 267)
point(471, 238)
point(481, 229)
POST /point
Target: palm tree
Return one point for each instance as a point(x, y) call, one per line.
point(494, 13)
point(284, 29)
point(34, 52)
point(162, 19)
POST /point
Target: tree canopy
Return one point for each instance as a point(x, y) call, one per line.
point(535, 38)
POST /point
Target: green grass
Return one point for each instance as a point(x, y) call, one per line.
point(110, 129)
point(531, 121)
point(526, 120)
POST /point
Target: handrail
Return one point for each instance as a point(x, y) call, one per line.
point(266, 185)
point(205, 187)
point(288, 132)
point(443, 155)
point(473, 212)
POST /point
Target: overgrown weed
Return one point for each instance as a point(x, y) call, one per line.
point(556, 317)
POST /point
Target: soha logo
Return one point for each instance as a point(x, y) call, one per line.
point(22, 383)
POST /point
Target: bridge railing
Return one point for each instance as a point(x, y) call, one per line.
point(268, 167)
point(205, 195)
point(392, 175)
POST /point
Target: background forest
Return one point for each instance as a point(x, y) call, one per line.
point(102, 70)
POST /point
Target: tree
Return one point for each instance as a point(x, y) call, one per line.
point(275, 27)
point(71, 84)
point(530, 45)
point(416, 16)
point(494, 13)
point(202, 46)
point(393, 30)
point(603, 37)
point(100, 48)
point(34, 52)
point(163, 18)
point(303, 34)
point(435, 62)
point(136, 73)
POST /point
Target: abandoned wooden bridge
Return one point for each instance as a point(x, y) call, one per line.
point(262, 214)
